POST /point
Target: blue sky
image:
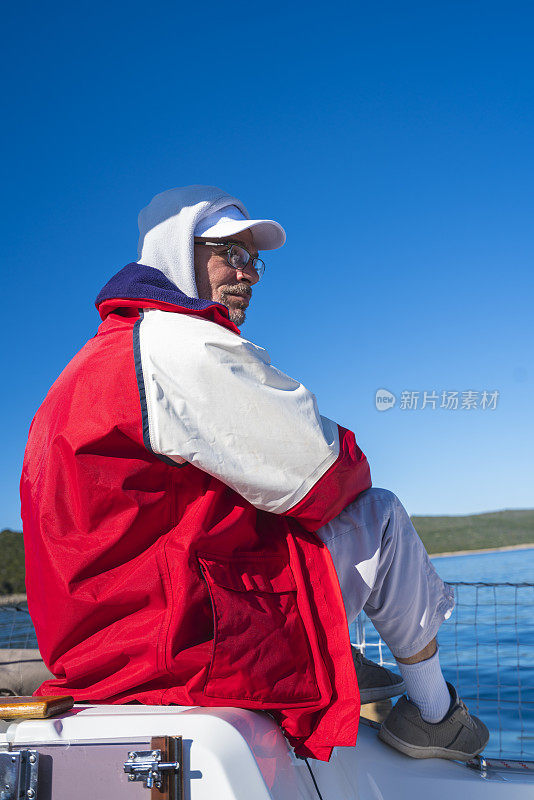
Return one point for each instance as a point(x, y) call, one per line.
point(393, 142)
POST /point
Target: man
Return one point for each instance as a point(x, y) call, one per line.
point(178, 492)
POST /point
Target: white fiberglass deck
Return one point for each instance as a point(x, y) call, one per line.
point(239, 754)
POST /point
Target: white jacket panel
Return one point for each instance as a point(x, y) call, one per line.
point(214, 399)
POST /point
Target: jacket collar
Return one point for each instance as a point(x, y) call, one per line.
point(146, 287)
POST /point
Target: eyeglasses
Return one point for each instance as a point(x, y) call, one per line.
point(238, 257)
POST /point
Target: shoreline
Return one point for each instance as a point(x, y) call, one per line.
point(526, 546)
point(7, 599)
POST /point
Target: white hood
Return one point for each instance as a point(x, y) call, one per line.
point(166, 230)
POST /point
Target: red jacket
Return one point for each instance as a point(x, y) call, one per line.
point(170, 547)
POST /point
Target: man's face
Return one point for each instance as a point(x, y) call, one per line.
point(217, 280)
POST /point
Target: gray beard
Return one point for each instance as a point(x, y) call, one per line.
point(237, 315)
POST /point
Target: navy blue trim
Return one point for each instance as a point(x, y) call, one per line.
point(142, 392)
point(139, 281)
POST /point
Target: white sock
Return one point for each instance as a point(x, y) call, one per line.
point(426, 687)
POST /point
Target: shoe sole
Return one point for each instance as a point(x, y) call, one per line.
point(415, 751)
point(377, 693)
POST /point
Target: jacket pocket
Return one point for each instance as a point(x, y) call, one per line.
point(260, 651)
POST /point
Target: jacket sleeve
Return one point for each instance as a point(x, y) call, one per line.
point(212, 398)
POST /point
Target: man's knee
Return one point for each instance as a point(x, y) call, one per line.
point(371, 512)
point(376, 495)
point(382, 510)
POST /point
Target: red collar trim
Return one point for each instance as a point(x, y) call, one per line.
point(216, 313)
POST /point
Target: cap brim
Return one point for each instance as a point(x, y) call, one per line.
point(268, 234)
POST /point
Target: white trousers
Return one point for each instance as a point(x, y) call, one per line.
point(384, 569)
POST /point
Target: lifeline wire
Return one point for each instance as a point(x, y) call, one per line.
point(313, 779)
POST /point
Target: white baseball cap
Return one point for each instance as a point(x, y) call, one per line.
point(268, 234)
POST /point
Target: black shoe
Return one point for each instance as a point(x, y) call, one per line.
point(375, 682)
point(459, 736)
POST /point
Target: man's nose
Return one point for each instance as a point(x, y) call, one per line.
point(250, 276)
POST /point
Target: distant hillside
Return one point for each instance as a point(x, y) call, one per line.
point(440, 535)
point(11, 563)
point(476, 532)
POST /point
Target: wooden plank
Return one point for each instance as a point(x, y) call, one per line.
point(34, 707)
point(173, 783)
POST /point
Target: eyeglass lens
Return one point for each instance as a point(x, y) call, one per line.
point(240, 258)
